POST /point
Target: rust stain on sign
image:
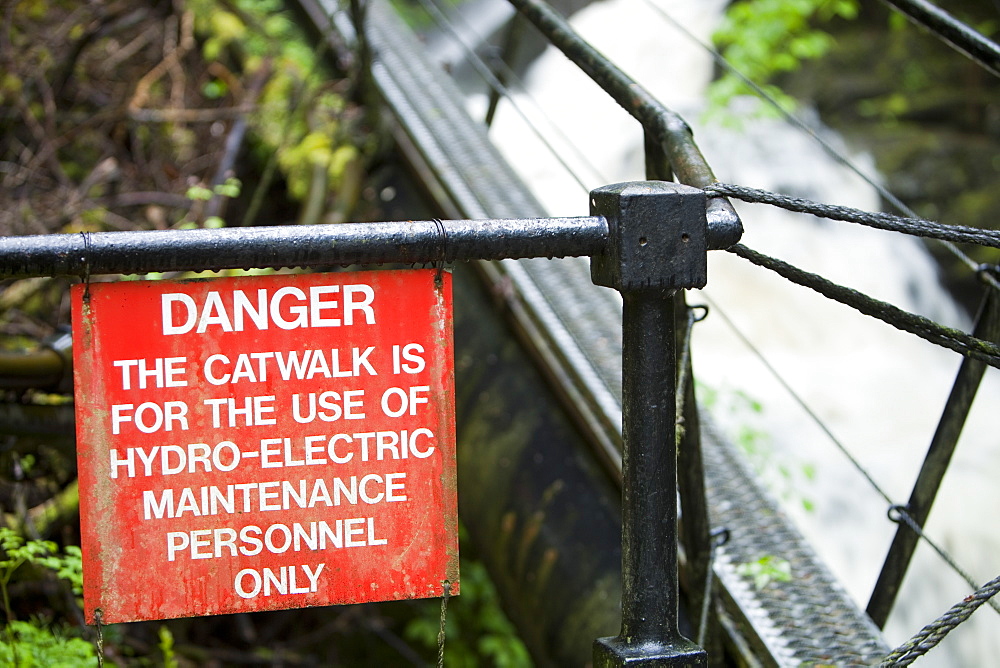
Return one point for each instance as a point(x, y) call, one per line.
point(263, 443)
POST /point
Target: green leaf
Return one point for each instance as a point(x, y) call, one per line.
point(231, 188)
point(166, 646)
point(196, 193)
point(227, 26)
point(214, 89)
point(766, 570)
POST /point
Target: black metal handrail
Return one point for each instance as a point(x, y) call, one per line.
point(299, 246)
point(951, 31)
point(664, 124)
point(646, 240)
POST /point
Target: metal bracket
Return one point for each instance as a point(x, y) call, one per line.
point(658, 236)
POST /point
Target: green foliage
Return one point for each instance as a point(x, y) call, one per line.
point(224, 29)
point(43, 553)
point(230, 188)
point(477, 633)
point(166, 645)
point(10, 87)
point(766, 570)
point(199, 194)
point(214, 89)
point(299, 119)
point(764, 38)
point(33, 645)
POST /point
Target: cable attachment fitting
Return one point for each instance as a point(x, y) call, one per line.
point(986, 270)
point(898, 513)
point(442, 251)
point(719, 536)
point(657, 237)
point(86, 266)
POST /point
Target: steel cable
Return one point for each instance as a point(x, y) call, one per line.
point(813, 415)
point(439, 17)
point(445, 595)
point(498, 85)
point(925, 328)
point(903, 515)
point(883, 221)
point(935, 632)
point(901, 511)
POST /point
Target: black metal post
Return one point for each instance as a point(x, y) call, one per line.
point(694, 529)
point(502, 62)
point(935, 465)
point(657, 244)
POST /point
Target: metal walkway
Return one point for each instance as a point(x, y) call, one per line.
point(572, 329)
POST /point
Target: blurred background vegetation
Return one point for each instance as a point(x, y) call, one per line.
point(929, 117)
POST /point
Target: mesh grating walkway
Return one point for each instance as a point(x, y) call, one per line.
point(574, 328)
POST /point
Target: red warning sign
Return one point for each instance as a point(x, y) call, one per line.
point(267, 442)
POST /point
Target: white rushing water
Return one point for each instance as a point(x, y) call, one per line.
point(879, 391)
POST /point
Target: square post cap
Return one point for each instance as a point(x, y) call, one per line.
point(658, 236)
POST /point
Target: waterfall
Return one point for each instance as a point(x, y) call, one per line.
point(880, 391)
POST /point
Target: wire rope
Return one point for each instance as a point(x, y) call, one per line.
point(439, 17)
point(932, 634)
point(512, 75)
point(878, 220)
point(925, 328)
